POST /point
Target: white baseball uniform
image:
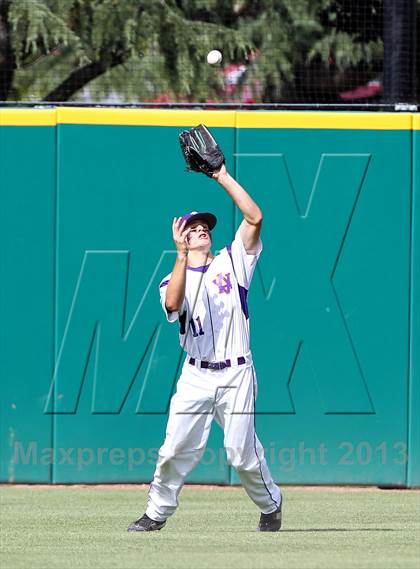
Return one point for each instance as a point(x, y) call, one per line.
point(214, 332)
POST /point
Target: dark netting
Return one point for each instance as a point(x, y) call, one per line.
point(324, 52)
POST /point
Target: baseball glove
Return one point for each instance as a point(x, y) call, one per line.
point(201, 151)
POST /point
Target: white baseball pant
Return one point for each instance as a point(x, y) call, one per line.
point(228, 395)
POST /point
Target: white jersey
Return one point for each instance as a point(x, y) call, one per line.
point(213, 319)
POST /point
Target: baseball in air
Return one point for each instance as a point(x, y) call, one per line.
point(214, 56)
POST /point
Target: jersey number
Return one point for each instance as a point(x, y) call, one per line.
point(194, 329)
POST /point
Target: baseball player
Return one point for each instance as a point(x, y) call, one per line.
point(207, 295)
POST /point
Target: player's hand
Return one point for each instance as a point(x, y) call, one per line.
point(180, 236)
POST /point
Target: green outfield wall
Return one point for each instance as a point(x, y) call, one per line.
point(88, 362)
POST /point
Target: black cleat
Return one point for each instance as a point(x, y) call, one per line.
point(270, 522)
point(145, 524)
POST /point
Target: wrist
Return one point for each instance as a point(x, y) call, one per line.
point(182, 255)
point(221, 176)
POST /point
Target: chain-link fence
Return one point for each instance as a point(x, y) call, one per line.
point(287, 52)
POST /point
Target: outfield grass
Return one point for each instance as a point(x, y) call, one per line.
point(85, 527)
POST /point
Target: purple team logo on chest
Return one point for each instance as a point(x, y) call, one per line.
point(223, 282)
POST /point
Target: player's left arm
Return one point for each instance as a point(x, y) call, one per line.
point(250, 227)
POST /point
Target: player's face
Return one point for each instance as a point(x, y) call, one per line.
point(199, 237)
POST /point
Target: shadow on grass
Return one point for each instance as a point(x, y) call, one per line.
point(338, 529)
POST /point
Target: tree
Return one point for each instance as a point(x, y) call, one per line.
point(312, 48)
point(292, 50)
point(59, 46)
point(7, 58)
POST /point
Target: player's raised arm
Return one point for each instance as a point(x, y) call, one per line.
point(176, 287)
point(250, 227)
point(203, 154)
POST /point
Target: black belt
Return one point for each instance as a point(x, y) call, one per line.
point(217, 365)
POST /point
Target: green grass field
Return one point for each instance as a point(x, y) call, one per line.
point(72, 527)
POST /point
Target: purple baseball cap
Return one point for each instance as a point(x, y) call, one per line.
point(209, 218)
